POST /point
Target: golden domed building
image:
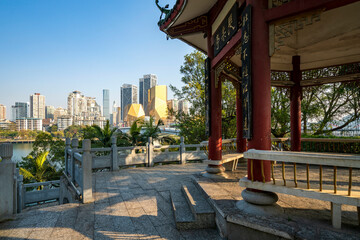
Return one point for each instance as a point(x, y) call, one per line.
point(133, 112)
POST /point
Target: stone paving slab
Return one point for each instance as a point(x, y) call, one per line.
point(131, 203)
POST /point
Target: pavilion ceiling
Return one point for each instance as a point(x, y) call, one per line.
point(320, 38)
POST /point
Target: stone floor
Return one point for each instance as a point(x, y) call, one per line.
point(135, 203)
point(129, 204)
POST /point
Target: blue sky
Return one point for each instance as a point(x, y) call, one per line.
point(57, 46)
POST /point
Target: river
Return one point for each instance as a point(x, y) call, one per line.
point(21, 150)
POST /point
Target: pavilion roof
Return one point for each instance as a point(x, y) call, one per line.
point(324, 33)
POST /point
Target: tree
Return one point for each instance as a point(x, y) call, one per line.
point(45, 142)
point(152, 130)
point(228, 102)
point(135, 136)
point(192, 127)
point(193, 70)
point(104, 135)
point(38, 169)
point(280, 111)
point(337, 101)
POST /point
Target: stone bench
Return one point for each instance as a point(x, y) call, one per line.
point(334, 196)
point(229, 161)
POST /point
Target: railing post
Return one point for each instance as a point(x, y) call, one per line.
point(87, 172)
point(75, 145)
point(20, 196)
point(114, 155)
point(67, 147)
point(150, 149)
point(7, 182)
point(182, 151)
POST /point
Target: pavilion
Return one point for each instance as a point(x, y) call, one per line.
point(247, 40)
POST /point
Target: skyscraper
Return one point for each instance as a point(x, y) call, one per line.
point(184, 106)
point(157, 106)
point(106, 103)
point(145, 84)
point(37, 106)
point(2, 112)
point(128, 95)
point(49, 112)
point(76, 103)
point(20, 110)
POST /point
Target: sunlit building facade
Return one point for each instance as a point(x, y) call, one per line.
point(133, 112)
point(157, 106)
point(37, 106)
point(145, 84)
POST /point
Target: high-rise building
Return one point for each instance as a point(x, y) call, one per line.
point(145, 84)
point(173, 104)
point(20, 110)
point(64, 122)
point(37, 106)
point(2, 112)
point(106, 103)
point(59, 112)
point(173, 107)
point(184, 106)
point(113, 115)
point(84, 110)
point(34, 124)
point(157, 106)
point(128, 95)
point(118, 115)
point(49, 112)
point(76, 103)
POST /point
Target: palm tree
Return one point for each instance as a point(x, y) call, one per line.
point(135, 133)
point(37, 169)
point(152, 130)
point(104, 135)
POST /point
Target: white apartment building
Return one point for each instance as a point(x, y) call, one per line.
point(37, 106)
point(34, 124)
point(64, 122)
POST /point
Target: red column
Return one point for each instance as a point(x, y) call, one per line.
point(215, 140)
point(261, 88)
point(240, 141)
point(295, 105)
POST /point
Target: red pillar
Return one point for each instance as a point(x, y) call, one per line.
point(240, 141)
point(295, 105)
point(215, 140)
point(261, 88)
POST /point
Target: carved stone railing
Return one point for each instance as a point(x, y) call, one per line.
point(322, 176)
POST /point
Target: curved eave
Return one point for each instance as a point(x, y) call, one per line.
point(175, 14)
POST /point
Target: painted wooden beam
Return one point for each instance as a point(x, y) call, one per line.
point(299, 6)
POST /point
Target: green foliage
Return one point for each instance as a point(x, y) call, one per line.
point(193, 70)
point(152, 130)
point(74, 131)
point(136, 138)
point(45, 142)
point(228, 102)
point(280, 112)
point(192, 127)
point(38, 169)
point(104, 135)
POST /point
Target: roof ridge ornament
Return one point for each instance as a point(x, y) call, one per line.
point(163, 10)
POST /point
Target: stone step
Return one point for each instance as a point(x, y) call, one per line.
point(201, 209)
point(184, 218)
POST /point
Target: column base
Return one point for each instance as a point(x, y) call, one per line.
point(259, 210)
point(259, 203)
point(217, 172)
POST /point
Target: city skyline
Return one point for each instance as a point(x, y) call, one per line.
point(55, 48)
